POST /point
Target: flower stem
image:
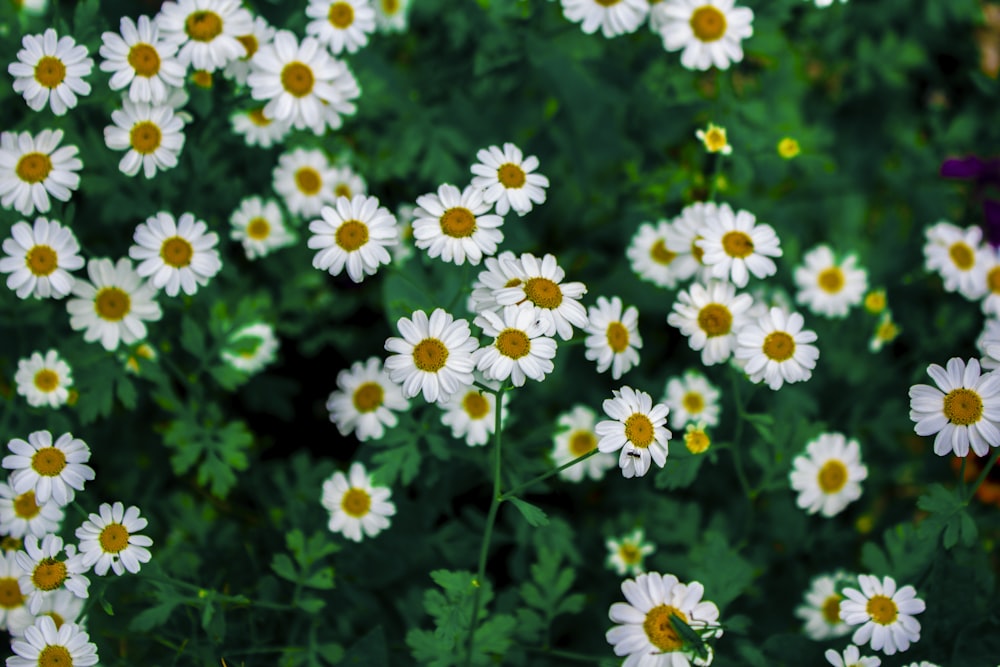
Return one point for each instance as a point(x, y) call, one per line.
point(534, 480)
point(714, 187)
point(982, 475)
point(737, 436)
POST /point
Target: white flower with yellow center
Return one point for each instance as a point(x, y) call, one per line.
point(305, 179)
point(991, 299)
point(32, 168)
point(542, 286)
point(625, 555)
point(851, 657)
point(520, 348)
point(342, 25)
point(21, 514)
point(347, 183)
point(390, 15)
point(637, 428)
point(354, 235)
point(613, 17)
point(575, 437)
point(258, 225)
point(821, 609)
point(696, 438)
point(710, 32)
point(52, 470)
point(44, 381)
point(456, 225)
point(501, 272)
point(152, 137)
point(39, 259)
point(50, 70)
point(13, 610)
point(110, 539)
point(650, 258)
point(645, 630)
point(260, 34)
point(886, 331)
point(44, 569)
point(404, 250)
point(175, 255)
point(710, 316)
point(692, 398)
point(684, 241)
point(736, 246)
point(963, 409)
point(435, 355)
point(507, 179)
point(251, 348)
point(257, 129)
point(45, 644)
point(776, 349)
point(885, 614)
point(471, 415)
point(297, 79)
point(356, 505)
point(140, 59)
point(613, 339)
point(959, 258)
point(988, 344)
point(207, 31)
point(828, 476)
point(366, 400)
point(61, 606)
point(714, 139)
point(827, 287)
point(113, 307)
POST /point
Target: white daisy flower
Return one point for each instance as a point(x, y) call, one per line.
point(650, 258)
point(959, 258)
point(140, 59)
point(347, 183)
point(520, 348)
point(736, 246)
point(645, 630)
point(113, 306)
point(575, 437)
point(44, 644)
point(988, 344)
point(39, 259)
point(776, 349)
point(613, 17)
point(44, 381)
point(963, 409)
point(305, 179)
point(31, 7)
point(714, 139)
point(471, 415)
point(508, 180)
point(251, 348)
point(821, 608)
point(886, 331)
point(684, 240)
point(502, 271)
point(433, 357)
point(456, 225)
point(21, 514)
point(991, 298)
point(390, 15)
point(828, 476)
point(152, 136)
point(692, 398)
point(851, 657)
point(13, 610)
point(50, 70)
point(207, 31)
point(613, 339)
point(825, 3)
point(33, 167)
point(43, 570)
point(637, 428)
point(260, 34)
point(885, 614)
point(625, 555)
point(257, 129)
point(297, 79)
point(356, 505)
point(366, 401)
point(257, 224)
point(354, 235)
point(696, 438)
point(827, 287)
point(51, 470)
point(342, 25)
point(110, 539)
point(175, 255)
point(710, 32)
point(404, 250)
point(59, 605)
point(710, 316)
point(541, 284)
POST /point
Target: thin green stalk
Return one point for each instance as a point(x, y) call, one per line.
point(737, 436)
point(961, 476)
point(534, 480)
point(714, 187)
point(568, 655)
point(982, 475)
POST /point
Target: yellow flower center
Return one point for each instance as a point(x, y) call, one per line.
point(832, 476)
point(737, 244)
point(352, 235)
point(513, 343)
point(177, 252)
point(886, 330)
point(308, 181)
point(56, 619)
point(430, 355)
point(708, 24)
point(25, 505)
point(993, 279)
point(475, 405)
point(788, 148)
point(882, 610)
point(54, 655)
point(258, 229)
point(112, 304)
point(458, 222)
point(42, 260)
point(9, 543)
point(581, 442)
point(33, 167)
point(543, 293)
point(693, 402)
point(113, 538)
point(630, 553)
point(963, 406)
point(607, 3)
point(50, 71)
point(202, 78)
point(46, 380)
point(617, 337)
point(48, 461)
point(341, 15)
point(250, 44)
point(660, 630)
point(831, 280)
point(697, 251)
point(715, 320)
point(390, 7)
point(779, 346)
point(875, 302)
point(10, 593)
point(342, 190)
point(145, 137)
point(144, 59)
point(203, 26)
point(659, 253)
point(639, 430)
point(258, 118)
point(368, 397)
point(297, 78)
point(510, 175)
point(962, 255)
point(356, 503)
point(831, 609)
point(49, 574)
point(715, 139)
point(697, 441)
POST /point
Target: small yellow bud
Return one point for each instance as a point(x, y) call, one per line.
point(788, 148)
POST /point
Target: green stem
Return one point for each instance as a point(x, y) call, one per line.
point(737, 436)
point(961, 476)
point(714, 187)
point(568, 655)
point(534, 480)
point(219, 597)
point(982, 475)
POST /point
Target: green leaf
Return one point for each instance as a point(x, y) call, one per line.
point(284, 568)
point(106, 606)
point(153, 617)
point(311, 605)
point(369, 651)
point(531, 513)
point(125, 391)
point(948, 515)
point(401, 462)
point(332, 652)
point(680, 470)
point(192, 337)
point(717, 565)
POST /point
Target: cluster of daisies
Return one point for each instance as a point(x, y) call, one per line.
point(44, 582)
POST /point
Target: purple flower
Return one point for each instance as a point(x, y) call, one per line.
point(985, 175)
